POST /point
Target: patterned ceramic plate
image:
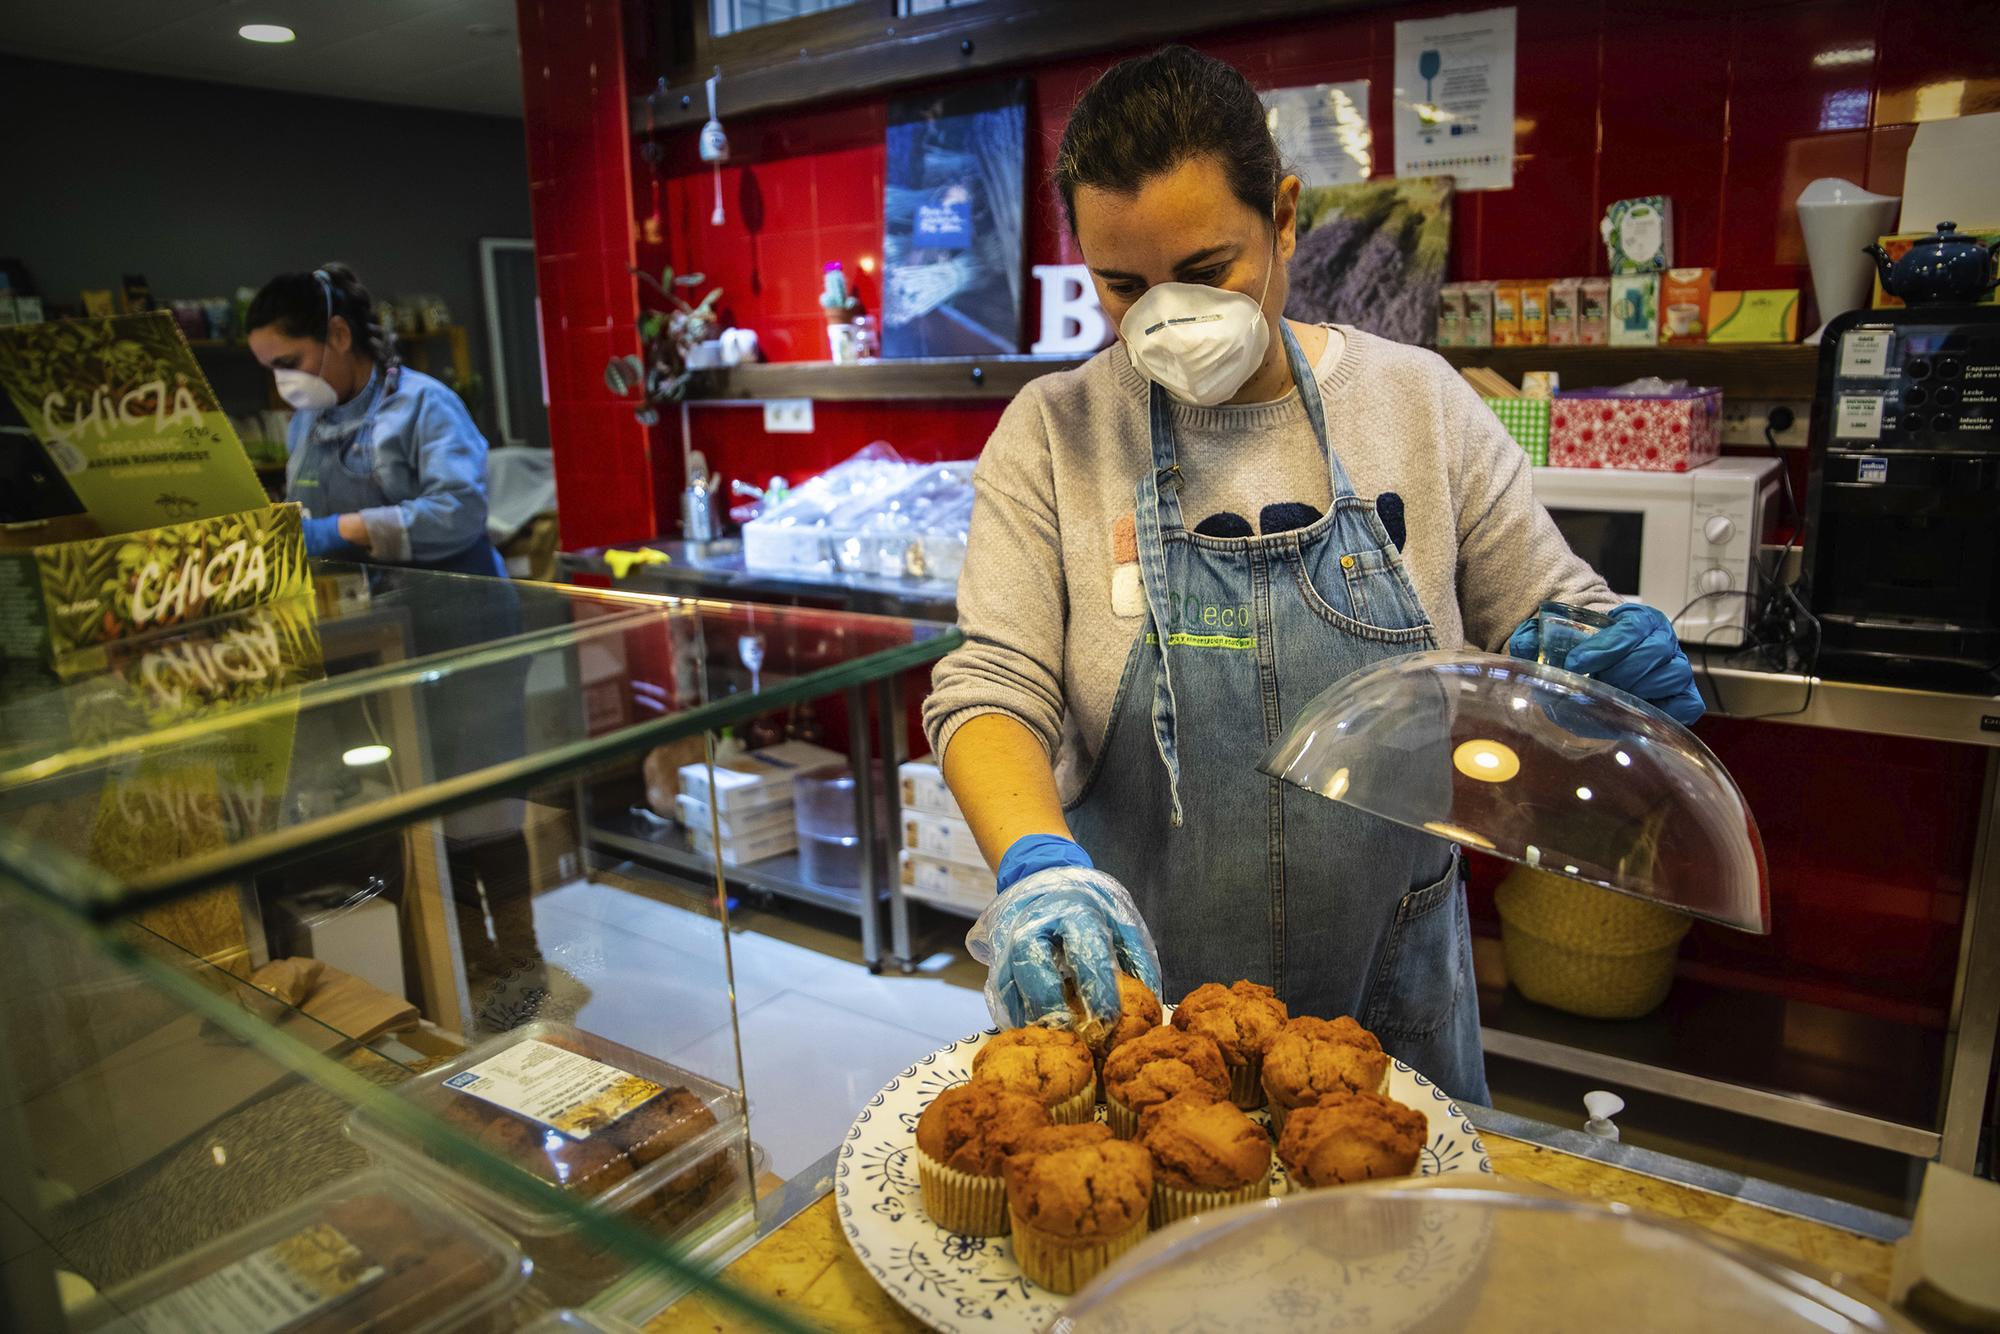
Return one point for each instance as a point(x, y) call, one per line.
point(961, 1283)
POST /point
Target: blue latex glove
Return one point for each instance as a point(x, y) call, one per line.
point(323, 539)
point(1058, 920)
point(1638, 653)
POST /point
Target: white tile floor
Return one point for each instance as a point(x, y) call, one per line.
point(820, 1033)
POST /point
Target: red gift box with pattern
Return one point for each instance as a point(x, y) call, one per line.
point(1669, 433)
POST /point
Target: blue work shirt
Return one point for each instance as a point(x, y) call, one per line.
point(404, 455)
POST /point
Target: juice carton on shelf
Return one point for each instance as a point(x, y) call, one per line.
point(1478, 315)
point(1563, 293)
point(1593, 312)
point(1684, 297)
point(1451, 316)
point(1506, 314)
point(1535, 314)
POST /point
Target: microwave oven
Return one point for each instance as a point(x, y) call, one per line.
point(1684, 542)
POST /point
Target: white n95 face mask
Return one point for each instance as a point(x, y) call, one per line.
point(304, 390)
point(1198, 343)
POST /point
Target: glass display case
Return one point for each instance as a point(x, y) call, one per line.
point(295, 1013)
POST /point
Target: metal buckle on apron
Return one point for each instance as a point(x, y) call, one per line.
point(1169, 474)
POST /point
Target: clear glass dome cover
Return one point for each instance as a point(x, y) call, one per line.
point(1439, 1255)
point(1541, 766)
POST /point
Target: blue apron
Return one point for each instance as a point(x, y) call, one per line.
point(1341, 911)
point(335, 473)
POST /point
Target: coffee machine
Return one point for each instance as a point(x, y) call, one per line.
point(1902, 555)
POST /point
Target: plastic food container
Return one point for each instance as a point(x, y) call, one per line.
point(660, 1146)
point(367, 1253)
point(830, 848)
point(1411, 1257)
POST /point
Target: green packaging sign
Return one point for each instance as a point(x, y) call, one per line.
point(125, 413)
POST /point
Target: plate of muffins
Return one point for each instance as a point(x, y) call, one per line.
point(995, 1177)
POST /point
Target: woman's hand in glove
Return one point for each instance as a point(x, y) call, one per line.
point(1638, 653)
point(1057, 918)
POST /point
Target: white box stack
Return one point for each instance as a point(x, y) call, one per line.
point(941, 862)
point(753, 794)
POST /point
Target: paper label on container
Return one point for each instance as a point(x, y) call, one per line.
point(267, 1291)
point(1858, 417)
point(556, 1088)
point(1864, 354)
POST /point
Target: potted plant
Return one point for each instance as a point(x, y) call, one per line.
point(659, 375)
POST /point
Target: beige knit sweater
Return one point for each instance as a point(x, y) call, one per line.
point(1044, 643)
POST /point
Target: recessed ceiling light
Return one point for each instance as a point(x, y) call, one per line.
point(266, 32)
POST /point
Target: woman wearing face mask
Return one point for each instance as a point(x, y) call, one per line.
point(385, 460)
point(1174, 548)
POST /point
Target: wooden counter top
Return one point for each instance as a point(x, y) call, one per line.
point(808, 1266)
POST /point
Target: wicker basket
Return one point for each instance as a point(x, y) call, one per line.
point(1586, 950)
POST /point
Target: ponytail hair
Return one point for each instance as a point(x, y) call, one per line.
point(303, 304)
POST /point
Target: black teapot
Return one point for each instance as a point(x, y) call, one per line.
point(1942, 268)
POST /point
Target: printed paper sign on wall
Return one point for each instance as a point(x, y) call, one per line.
point(1455, 98)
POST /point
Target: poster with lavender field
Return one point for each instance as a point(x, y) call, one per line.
point(951, 248)
point(1373, 255)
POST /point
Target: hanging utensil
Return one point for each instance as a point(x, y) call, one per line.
point(714, 146)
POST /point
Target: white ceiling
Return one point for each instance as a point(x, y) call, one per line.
point(411, 52)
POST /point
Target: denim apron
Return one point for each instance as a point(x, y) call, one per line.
point(334, 472)
point(1240, 875)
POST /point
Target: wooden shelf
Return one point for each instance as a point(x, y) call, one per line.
point(1747, 370)
point(916, 377)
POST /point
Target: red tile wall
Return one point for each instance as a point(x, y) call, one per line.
point(1729, 109)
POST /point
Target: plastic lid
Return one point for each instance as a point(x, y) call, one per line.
point(1540, 766)
point(1411, 1257)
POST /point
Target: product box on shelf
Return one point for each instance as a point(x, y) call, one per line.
point(1593, 312)
point(1639, 234)
point(924, 788)
point(1684, 297)
point(754, 780)
point(1563, 294)
point(1635, 309)
point(660, 1146)
point(1478, 315)
point(1527, 420)
point(746, 848)
point(61, 596)
point(1767, 316)
point(945, 837)
point(1506, 314)
point(1535, 314)
point(944, 883)
point(1601, 429)
point(760, 823)
point(1451, 315)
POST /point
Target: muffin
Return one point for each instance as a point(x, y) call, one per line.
point(1051, 1064)
point(1347, 1137)
point(1158, 1065)
point(963, 1139)
point(1077, 1200)
point(1206, 1154)
point(1241, 1020)
point(1138, 1012)
point(1311, 1058)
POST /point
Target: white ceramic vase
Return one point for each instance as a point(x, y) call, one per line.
point(1839, 218)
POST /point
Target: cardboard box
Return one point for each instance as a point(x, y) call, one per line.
point(1635, 309)
point(1478, 315)
point(924, 788)
point(1639, 234)
point(1506, 315)
point(1767, 316)
point(1684, 297)
point(1451, 316)
point(60, 597)
point(757, 779)
point(694, 814)
point(945, 837)
point(1593, 312)
point(945, 884)
point(1563, 296)
point(1594, 429)
point(743, 851)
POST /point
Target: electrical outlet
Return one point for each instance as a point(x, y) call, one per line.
point(1743, 421)
point(788, 416)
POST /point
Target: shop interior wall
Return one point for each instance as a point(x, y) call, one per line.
point(206, 187)
point(1727, 108)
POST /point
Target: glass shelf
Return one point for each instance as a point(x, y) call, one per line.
point(194, 758)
